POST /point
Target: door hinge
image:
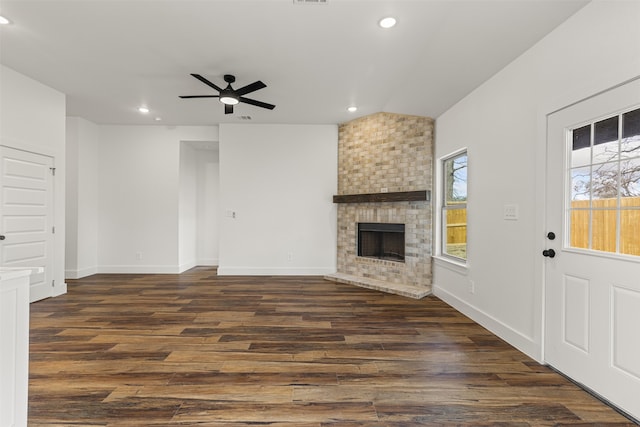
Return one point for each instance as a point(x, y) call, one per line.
point(53, 230)
point(53, 283)
point(53, 171)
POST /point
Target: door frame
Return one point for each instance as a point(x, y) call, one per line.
point(541, 226)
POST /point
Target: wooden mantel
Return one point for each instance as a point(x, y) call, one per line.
point(398, 196)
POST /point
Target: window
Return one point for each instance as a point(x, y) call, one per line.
point(454, 206)
point(604, 175)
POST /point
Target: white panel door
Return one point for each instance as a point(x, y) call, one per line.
point(592, 264)
point(26, 216)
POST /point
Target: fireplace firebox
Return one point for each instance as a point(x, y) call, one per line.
point(381, 241)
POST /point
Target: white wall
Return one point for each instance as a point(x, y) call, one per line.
point(279, 180)
point(187, 214)
point(139, 184)
point(71, 200)
point(208, 202)
point(199, 201)
point(82, 198)
point(32, 118)
point(503, 125)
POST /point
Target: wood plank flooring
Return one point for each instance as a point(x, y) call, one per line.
point(200, 350)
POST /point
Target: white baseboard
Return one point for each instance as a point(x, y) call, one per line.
point(139, 269)
point(80, 273)
point(274, 271)
point(60, 289)
point(520, 341)
point(187, 266)
point(207, 262)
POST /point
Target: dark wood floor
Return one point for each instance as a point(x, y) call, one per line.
point(197, 349)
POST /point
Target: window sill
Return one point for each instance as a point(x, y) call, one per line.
point(451, 264)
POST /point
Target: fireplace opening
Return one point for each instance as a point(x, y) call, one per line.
point(381, 241)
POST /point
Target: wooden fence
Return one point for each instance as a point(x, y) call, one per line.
point(604, 225)
point(456, 226)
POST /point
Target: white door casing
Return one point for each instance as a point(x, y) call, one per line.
point(26, 216)
point(592, 298)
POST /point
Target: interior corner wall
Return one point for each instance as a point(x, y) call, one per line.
point(139, 185)
point(502, 124)
point(276, 192)
point(71, 202)
point(32, 118)
point(207, 209)
point(82, 198)
point(187, 205)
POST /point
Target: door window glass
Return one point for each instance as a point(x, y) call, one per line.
point(604, 176)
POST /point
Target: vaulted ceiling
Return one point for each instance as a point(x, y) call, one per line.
point(112, 56)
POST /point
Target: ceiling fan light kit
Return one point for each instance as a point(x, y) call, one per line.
point(230, 96)
point(229, 99)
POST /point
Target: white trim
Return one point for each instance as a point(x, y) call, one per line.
point(453, 154)
point(207, 262)
point(186, 266)
point(60, 289)
point(451, 264)
point(18, 144)
point(275, 271)
point(540, 227)
point(525, 344)
point(80, 273)
point(139, 269)
point(437, 196)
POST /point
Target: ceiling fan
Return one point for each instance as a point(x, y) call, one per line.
point(230, 96)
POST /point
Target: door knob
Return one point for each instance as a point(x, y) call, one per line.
point(551, 235)
point(2, 237)
point(550, 253)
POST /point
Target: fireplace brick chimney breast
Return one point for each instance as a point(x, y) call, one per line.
point(386, 152)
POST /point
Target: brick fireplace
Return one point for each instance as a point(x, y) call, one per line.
point(384, 177)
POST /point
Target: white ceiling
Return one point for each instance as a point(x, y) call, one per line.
point(110, 56)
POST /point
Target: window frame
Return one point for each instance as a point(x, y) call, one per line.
point(445, 207)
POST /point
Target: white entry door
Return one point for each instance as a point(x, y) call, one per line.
point(26, 216)
point(592, 269)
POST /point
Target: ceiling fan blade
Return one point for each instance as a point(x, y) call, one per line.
point(250, 88)
point(207, 82)
point(257, 103)
point(228, 109)
point(199, 96)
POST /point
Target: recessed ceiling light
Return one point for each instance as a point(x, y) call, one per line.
point(143, 110)
point(387, 22)
point(4, 21)
point(352, 109)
